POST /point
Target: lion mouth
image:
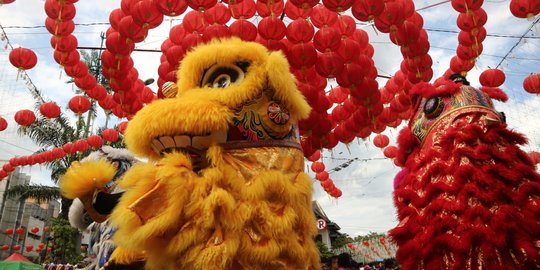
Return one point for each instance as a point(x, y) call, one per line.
point(194, 146)
point(188, 143)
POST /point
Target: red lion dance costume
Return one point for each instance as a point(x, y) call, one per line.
point(468, 197)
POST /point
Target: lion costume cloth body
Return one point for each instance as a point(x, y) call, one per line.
point(227, 189)
point(468, 197)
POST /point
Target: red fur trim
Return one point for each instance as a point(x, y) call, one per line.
point(427, 90)
point(495, 93)
point(472, 197)
point(407, 142)
point(399, 176)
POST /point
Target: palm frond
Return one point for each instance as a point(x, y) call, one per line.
point(40, 193)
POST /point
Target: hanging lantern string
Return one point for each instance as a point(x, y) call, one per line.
point(517, 43)
point(36, 94)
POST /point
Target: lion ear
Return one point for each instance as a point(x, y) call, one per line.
point(283, 82)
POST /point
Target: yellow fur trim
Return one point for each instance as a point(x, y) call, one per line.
point(83, 178)
point(283, 82)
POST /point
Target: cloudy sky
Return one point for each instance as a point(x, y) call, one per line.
point(366, 204)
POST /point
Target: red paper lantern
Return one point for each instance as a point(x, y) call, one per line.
point(327, 39)
point(321, 17)
point(80, 145)
point(22, 58)
point(531, 84)
point(243, 29)
point(469, 21)
point(464, 6)
point(243, 10)
point(8, 167)
point(300, 30)
point(107, 103)
point(19, 231)
point(59, 28)
point(367, 10)
point(3, 124)
point(336, 193)
point(25, 117)
point(338, 5)
point(329, 64)
point(492, 77)
point(381, 140)
point(58, 153)
point(4, 2)
point(122, 127)
point(146, 14)
point(129, 28)
point(317, 166)
point(194, 22)
point(35, 230)
point(302, 55)
point(41, 245)
point(110, 135)
point(16, 247)
point(60, 10)
point(46, 229)
point(67, 58)
point(95, 141)
point(79, 104)
point(524, 8)
point(322, 176)
point(29, 248)
point(271, 27)
point(218, 14)
point(171, 7)
point(8, 231)
point(365, 243)
point(78, 70)
point(390, 151)
point(64, 43)
point(201, 4)
point(49, 109)
point(326, 184)
point(315, 156)
point(69, 148)
point(5, 247)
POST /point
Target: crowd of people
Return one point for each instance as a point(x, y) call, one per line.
point(344, 261)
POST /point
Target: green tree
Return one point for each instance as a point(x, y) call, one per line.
point(341, 240)
point(64, 234)
point(324, 252)
point(40, 193)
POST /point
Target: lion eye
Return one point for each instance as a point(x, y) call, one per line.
point(220, 76)
point(433, 107)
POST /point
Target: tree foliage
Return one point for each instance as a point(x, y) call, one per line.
point(341, 241)
point(324, 252)
point(66, 247)
point(40, 193)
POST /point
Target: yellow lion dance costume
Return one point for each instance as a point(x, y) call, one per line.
point(227, 189)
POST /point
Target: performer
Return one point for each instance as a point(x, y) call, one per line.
point(227, 189)
point(468, 197)
point(92, 183)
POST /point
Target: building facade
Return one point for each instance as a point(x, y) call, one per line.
point(26, 215)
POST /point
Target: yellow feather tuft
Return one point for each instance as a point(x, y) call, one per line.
point(83, 178)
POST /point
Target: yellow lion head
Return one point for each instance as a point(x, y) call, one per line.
point(229, 92)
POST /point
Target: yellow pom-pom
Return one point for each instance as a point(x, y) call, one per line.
point(83, 178)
